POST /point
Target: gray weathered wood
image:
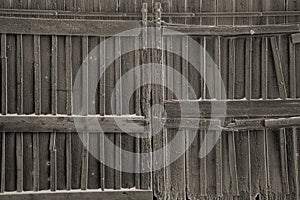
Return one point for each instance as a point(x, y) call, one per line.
point(85, 108)
point(48, 123)
point(19, 136)
point(68, 49)
point(65, 26)
point(37, 107)
point(229, 30)
point(292, 70)
point(235, 108)
point(295, 38)
point(279, 69)
point(91, 195)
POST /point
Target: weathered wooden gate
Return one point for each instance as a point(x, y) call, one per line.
point(254, 43)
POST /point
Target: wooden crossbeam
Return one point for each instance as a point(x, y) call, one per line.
point(234, 108)
point(230, 30)
point(78, 195)
point(52, 123)
point(236, 125)
point(34, 26)
point(60, 13)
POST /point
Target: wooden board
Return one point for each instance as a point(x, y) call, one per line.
point(235, 108)
point(96, 195)
point(65, 27)
point(46, 123)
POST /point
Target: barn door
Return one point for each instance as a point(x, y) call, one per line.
point(256, 140)
point(40, 147)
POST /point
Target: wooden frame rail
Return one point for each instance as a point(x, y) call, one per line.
point(79, 195)
point(34, 26)
point(85, 27)
point(235, 125)
point(230, 30)
point(235, 108)
point(83, 14)
point(65, 123)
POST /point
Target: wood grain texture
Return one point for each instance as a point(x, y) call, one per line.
point(65, 27)
point(122, 195)
point(235, 108)
point(230, 30)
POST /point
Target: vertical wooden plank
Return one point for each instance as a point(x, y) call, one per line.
point(61, 155)
point(45, 105)
point(264, 69)
point(54, 75)
point(248, 70)
point(102, 109)
point(4, 74)
point(118, 106)
point(203, 161)
point(239, 80)
point(283, 160)
point(19, 139)
point(224, 68)
point(257, 138)
point(94, 181)
point(37, 101)
point(218, 95)
point(203, 166)
point(137, 111)
point(109, 86)
point(84, 153)
point(231, 136)
point(248, 95)
point(28, 101)
point(231, 79)
point(157, 99)
point(128, 62)
point(293, 165)
point(292, 70)
point(264, 91)
point(53, 162)
point(4, 104)
point(127, 85)
point(69, 109)
point(169, 96)
point(278, 68)
point(77, 142)
point(3, 163)
point(146, 164)
point(52, 146)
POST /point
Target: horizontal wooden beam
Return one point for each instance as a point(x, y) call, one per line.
point(79, 195)
point(35, 26)
point(236, 125)
point(260, 124)
point(82, 14)
point(234, 108)
point(53, 123)
point(192, 123)
point(283, 122)
point(230, 30)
